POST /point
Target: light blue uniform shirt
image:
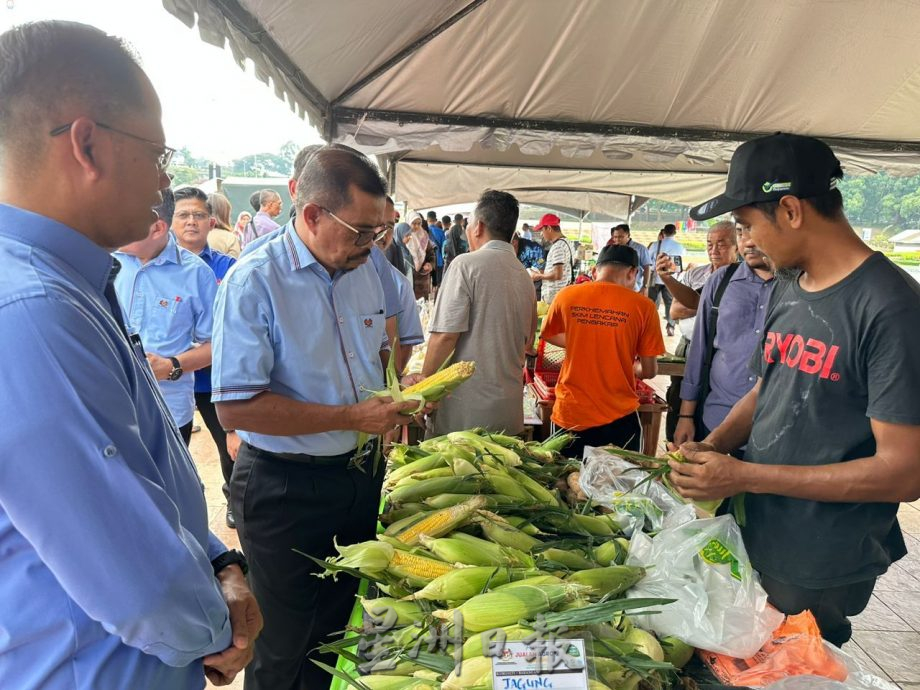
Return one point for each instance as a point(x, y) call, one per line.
point(390, 294)
point(408, 323)
point(169, 302)
point(104, 544)
point(644, 260)
point(282, 324)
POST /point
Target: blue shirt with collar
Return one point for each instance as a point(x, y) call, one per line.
point(644, 260)
point(283, 324)
point(378, 259)
point(220, 264)
point(169, 302)
point(106, 573)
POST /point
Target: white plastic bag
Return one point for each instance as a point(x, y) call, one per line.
point(611, 482)
point(720, 605)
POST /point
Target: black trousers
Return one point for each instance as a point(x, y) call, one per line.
point(831, 606)
point(625, 432)
point(281, 505)
point(185, 431)
point(209, 415)
point(656, 291)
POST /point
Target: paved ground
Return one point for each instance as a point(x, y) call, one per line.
point(886, 635)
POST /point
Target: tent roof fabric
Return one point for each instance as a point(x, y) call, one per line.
point(670, 86)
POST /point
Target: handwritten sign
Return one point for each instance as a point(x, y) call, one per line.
point(525, 667)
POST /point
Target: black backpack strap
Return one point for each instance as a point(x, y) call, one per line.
point(710, 351)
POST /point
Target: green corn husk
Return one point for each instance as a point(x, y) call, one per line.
point(447, 500)
point(518, 558)
point(557, 442)
point(430, 462)
point(380, 682)
point(463, 583)
point(419, 491)
point(512, 442)
point(475, 672)
point(645, 643)
point(611, 580)
point(540, 493)
point(405, 510)
point(497, 530)
point(523, 524)
point(457, 549)
point(406, 612)
point(442, 521)
point(501, 483)
point(477, 644)
point(610, 553)
point(544, 579)
point(485, 447)
point(611, 672)
point(498, 609)
point(398, 526)
point(568, 559)
point(676, 652)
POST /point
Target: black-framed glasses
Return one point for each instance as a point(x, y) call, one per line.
point(164, 153)
point(364, 237)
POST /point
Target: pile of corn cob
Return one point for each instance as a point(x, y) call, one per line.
point(476, 526)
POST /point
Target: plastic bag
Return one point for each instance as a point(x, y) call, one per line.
point(720, 605)
point(611, 482)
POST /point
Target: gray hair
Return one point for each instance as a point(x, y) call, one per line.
point(725, 225)
point(267, 196)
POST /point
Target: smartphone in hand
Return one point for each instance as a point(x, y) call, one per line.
point(678, 261)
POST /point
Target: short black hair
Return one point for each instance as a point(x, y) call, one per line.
point(192, 193)
point(622, 226)
point(329, 173)
point(828, 205)
point(432, 214)
point(300, 160)
point(167, 207)
point(498, 211)
point(669, 230)
point(445, 220)
point(48, 67)
point(458, 217)
point(254, 201)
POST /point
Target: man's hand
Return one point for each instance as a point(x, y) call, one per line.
point(233, 444)
point(160, 365)
point(685, 431)
point(379, 415)
point(664, 265)
point(245, 624)
point(706, 475)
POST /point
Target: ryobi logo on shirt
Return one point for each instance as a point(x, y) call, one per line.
point(809, 357)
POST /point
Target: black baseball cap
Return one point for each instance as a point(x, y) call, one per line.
point(618, 254)
point(769, 168)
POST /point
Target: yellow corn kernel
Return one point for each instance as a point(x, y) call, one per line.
point(405, 564)
point(448, 379)
point(441, 521)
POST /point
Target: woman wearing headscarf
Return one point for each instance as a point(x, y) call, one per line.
point(422, 251)
point(400, 244)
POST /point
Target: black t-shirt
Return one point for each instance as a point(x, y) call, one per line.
point(830, 361)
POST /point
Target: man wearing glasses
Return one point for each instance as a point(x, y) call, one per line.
point(167, 296)
point(299, 343)
point(111, 578)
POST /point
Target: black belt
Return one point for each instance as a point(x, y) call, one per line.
point(302, 458)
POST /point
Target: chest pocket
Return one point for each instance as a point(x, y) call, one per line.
point(372, 330)
point(170, 316)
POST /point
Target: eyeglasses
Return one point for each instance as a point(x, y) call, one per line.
point(164, 153)
point(196, 215)
point(364, 237)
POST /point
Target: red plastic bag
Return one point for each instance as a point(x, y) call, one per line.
point(796, 649)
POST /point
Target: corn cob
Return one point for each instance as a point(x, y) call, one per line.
point(611, 580)
point(533, 580)
point(500, 532)
point(419, 491)
point(462, 583)
point(676, 652)
point(569, 559)
point(380, 682)
point(439, 384)
point(429, 462)
point(416, 569)
point(497, 609)
point(406, 612)
point(645, 643)
point(534, 488)
point(477, 644)
point(442, 521)
point(610, 553)
point(613, 673)
point(454, 550)
point(406, 522)
point(501, 483)
point(484, 447)
point(523, 524)
point(517, 557)
point(405, 510)
point(475, 672)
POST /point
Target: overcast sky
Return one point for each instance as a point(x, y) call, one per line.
point(209, 104)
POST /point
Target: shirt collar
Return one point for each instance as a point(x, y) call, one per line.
point(297, 252)
point(70, 246)
point(206, 254)
point(745, 272)
point(170, 253)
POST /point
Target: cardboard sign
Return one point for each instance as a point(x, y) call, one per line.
point(559, 666)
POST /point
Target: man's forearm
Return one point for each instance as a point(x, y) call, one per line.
point(440, 347)
point(679, 311)
point(196, 358)
point(646, 273)
point(277, 415)
point(687, 296)
point(735, 430)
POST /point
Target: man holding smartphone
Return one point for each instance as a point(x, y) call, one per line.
point(667, 245)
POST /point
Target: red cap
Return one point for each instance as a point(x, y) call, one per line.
point(548, 219)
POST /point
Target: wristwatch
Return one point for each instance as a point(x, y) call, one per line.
point(229, 558)
point(176, 372)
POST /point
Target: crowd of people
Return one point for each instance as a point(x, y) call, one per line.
point(126, 305)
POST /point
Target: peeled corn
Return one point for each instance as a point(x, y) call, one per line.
point(439, 384)
point(441, 521)
point(416, 569)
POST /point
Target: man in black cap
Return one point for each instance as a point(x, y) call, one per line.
point(612, 336)
point(832, 422)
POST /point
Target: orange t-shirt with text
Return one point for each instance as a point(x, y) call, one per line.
point(606, 327)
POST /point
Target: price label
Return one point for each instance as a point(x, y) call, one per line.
point(561, 665)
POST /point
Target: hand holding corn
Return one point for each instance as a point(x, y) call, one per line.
point(706, 475)
point(379, 415)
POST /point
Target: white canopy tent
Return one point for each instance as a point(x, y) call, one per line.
point(586, 97)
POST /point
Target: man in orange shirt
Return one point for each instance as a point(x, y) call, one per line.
point(604, 326)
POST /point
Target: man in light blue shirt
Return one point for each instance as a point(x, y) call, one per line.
point(299, 344)
point(620, 234)
point(110, 576)
point(167, 296)
point(665, 244)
